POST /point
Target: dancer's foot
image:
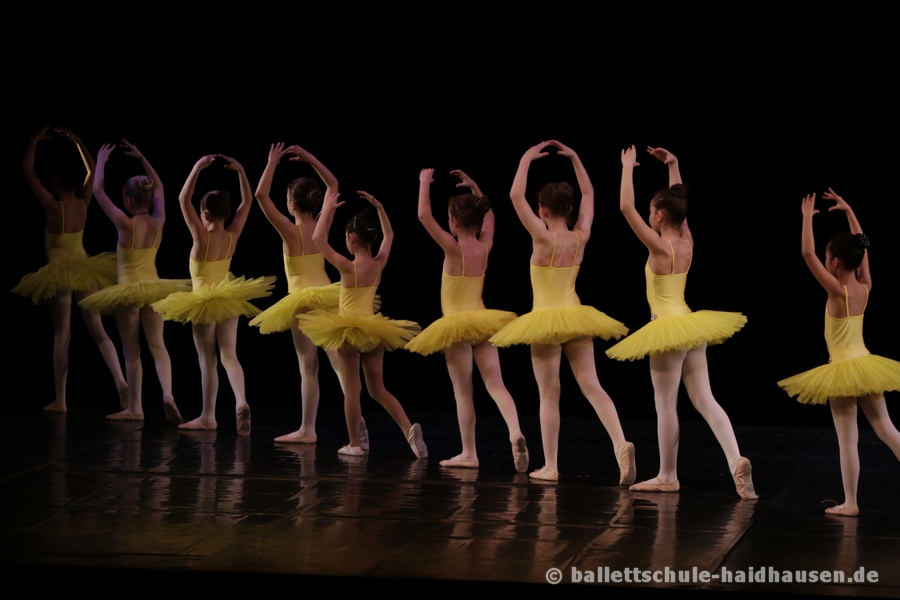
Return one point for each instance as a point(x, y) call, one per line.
point(655, 485)
point(243, 419)
point(625, 458)
point(125, 416)
point(842, 510)
point(297, 438)
point(742, 480)
point(520, 455)
point(57, 407)
point(172, 413)
point(414, 437)
point(199, 424)
point(123, 396)
point(460, 462)
point(363, 434)
point(544, 474)
point(349, 450)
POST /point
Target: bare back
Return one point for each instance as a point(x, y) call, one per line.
point(676, 261)
point(858, 297)
point(69, 217)
point(558, 249)
point(471, 260)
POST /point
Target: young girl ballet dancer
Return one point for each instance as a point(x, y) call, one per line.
point(309, 287)
point(69, 270)
point(852, 375)
point(676, 338)
point(218, 298)
point(462, 333)
point(138, 286)
point(559, 322)
point(355, 331)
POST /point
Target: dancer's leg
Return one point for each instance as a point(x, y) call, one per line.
point(373, 369)
point(226, 333)
point(665, 372)
point(488, 360)
point(580, 354)
point(545, 361)
point(350, 359)
point(843, 410)
point(205, 342)
point(128, 322)
point(107, 349)
point(877, 414)
point(308, 359)
point(152, 323)
point(60, 314)
point(459, 365)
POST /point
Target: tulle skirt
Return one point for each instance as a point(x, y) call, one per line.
point(678, 332)
point(472, 327)
point(137, 293)
point(852, 377)
point(558, 326)
point(217, 302)
point(279, 316)
point(76, 273)
point(330, 330)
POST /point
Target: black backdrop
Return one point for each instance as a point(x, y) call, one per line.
point(758, 117)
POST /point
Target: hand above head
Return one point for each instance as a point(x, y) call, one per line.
point(370, 198)
point(661, 154)
point(535, 153)
point(43, 133)
point(427, 176)
point(299, 153)
point(466, 181)
point(629, 157)
point(231, 163)
point(276, 151)
point(563, 150)
point(205, 161)
point(809, 205)
point(104, 152)
point(839, 203)
point(66, 133)
point(331, 201)
point(131, 150)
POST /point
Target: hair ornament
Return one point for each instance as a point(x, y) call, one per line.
point(862, 240)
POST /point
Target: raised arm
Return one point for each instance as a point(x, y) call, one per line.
point(195, 225)
point(115, 214)
point(301, 155)
point(159, 198)
point(243, 210)
point(320, 235)
point(444, 239)
point(86, 158)
point(487, 226)
point(863, 275)
point(669, 160)
point(279, 221)
point(586, 208)
point(387, 232)
point(648, 237)
point(531, 221)
point(808, 249)
point(43, 195)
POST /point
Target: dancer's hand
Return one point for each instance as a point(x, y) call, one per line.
point(370, 198)
point(300, 155)
point(629, 157)
point(535, 153)
point(205, 162)
point(67, 133)
point(104, 152)
point(43, 133)
point(465, 180)
point(231, 163)
point(131, 150)
point(839, 203)
point(563, 150)
point(331, 202)
point(427, 176)
point(276, 151)
point(661, 154)
point(809, 206)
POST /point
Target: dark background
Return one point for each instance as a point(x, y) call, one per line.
point(759, 114)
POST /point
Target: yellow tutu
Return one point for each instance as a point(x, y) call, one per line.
point(279, 316)
point(558, 326)
point(853, 377)
point(364, 332)
point(678, 332)
point(136, 293)
point(472, 327)
point(71, 272)
point(214, 303)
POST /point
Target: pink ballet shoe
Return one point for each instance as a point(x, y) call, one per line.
point(56, 407)
point(655, 486)
point(544, 474)
point(125, 416)
point(295, 438)
point(173, 416)
point(520, 455)
point(842, 511)
point(198, 425)
point(349, 450)
point(742, 481)
point(243, 420)
point(414, 437)
point(363, 434)
point(461, 463)
point(627, 467)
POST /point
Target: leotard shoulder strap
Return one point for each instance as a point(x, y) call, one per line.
point(302, 244)
point(672, 250)
point(155, 237)
point(84, 218)
point(206, 254)
point(577, 243)
point(485, 257)
point(462, 254)
point(132, 232)
point(553, 252)
point(867, 298)
point(228, 250)
point(846, 301)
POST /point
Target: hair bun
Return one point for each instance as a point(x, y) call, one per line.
point(862, 240)
point(145, 182)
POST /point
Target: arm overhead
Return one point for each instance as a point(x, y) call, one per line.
point(195, 225)
point(243, 210)
point(586, 209)
point(532, 222)
point(279, 221)
point(159, 199)
point(487, 226)
point(320, 235)
point(115, 214)
point(645, 233)
point(863, 275)
point(301, 155)
point(88, 160)
point(384, 251)
point(44, 197)
point(808, 249)
point(444, 239)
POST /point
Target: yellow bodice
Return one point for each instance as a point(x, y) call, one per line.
point(461, 293)
point(665, 293)
point(208, 272)
point(135, 264)
point(60, 245)
point(357, 301)
point(554, 287)
point(305, 271)
point(844, 336)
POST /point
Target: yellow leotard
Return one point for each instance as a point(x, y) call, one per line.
point(69, 266)
point(138, 283)
point(217, 295)
point(465, 317)
point(852, 370)
point(557, 315)
point(673, 326)
point(308, 288)
point(356, 323)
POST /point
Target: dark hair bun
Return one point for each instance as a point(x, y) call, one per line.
point(217, 203)
point(558, 198)
point(469, 210)
point(306, 194)
point(848, 249)
point(364, 225)
point(673, 203)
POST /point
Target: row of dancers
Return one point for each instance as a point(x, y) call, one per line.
point(342, 317)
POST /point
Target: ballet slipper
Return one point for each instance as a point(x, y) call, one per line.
point(125, 416)
point(625, 458)
point(520, 455)
point(363, 434)
point(460, 462)
point(197, 424)
point(243, 420)
point(654, 485)
point(297, 438)
point(842, 510)
point(57, 407)
point(349, 450)
point(123, 396)
point(742, 481)
point(414, 437)
point(172, 413)
point(544, 474)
